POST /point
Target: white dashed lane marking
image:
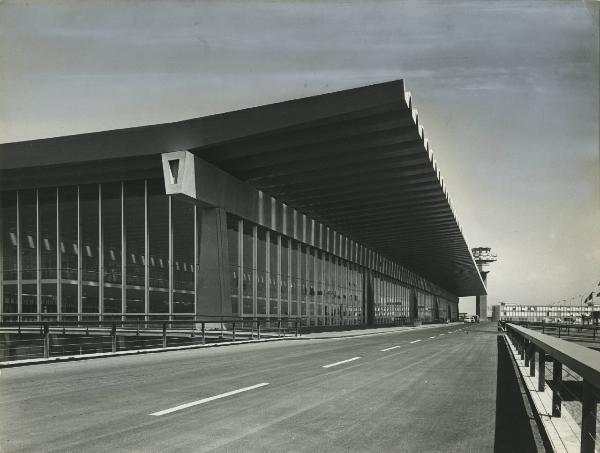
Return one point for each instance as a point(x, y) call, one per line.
point(339, 363)
point(206, 400)
point(389, 349)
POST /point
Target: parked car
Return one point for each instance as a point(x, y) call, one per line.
point(469, 319)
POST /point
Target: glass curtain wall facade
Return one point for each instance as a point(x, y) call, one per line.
point(278, 276)
point(107, 251)
point(126, 249)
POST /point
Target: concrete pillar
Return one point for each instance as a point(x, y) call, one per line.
point(481, 301)
point(213, 292)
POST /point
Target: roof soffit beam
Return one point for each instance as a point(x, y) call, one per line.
point(393, 137)
point(378, 181)
point(409, 155)
point(267, 183)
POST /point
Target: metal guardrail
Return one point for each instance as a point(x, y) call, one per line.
point(581, 360)
point(570, 329)
point(174, 329)
point(194, 328)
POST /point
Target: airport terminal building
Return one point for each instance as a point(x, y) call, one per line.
point(330, 209)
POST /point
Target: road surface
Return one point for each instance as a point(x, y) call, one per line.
point(420, 390)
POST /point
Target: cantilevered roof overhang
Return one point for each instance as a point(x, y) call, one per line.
point(356, 160)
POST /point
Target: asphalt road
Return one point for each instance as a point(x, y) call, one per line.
point(423, 390)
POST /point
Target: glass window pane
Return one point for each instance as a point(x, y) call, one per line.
point(68, 233)
point(69, 298)
point(273, 288)
point(112, 299)
point(47, 201)
point(10, 298)
point(49, 298)
point(9, 237)
point(233, 240)
point(248, 270)
point(28, 232)
point(89, 218)
point(285, 255)
point(29, 299)
point(89, 225)
point(111, 241)
point(89, 298)
point(295, 278)
point(158, 241)
point(261, 276)
point(134, 213)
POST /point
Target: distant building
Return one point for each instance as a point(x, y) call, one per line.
point(547, 313)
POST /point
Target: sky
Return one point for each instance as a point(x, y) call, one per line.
point(507, 92)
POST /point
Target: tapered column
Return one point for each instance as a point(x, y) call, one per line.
point(214, 293)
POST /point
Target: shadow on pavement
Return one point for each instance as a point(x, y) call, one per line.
point(516, 427)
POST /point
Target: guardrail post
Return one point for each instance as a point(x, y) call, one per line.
point(556, 387)
point(258, 329)
point(588, 419)
point(543, 327)
point(559, 331)
point(279, 327)
point(113, 334)
point(521, 344)
point(541, 370)
point(296, 327)
point(164, 335)
point(527, 352)
point(203, 333)
point(46, 340)
point(532, 359)
point(233, 331)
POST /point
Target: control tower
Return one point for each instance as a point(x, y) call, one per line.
point(483, 258)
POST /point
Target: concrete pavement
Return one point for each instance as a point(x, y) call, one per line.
point(421, 390)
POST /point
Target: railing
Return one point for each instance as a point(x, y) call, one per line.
point(577, 332)
point(34, 337)
point(583, 361)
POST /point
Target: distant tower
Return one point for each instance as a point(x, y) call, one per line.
point(483, 257)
